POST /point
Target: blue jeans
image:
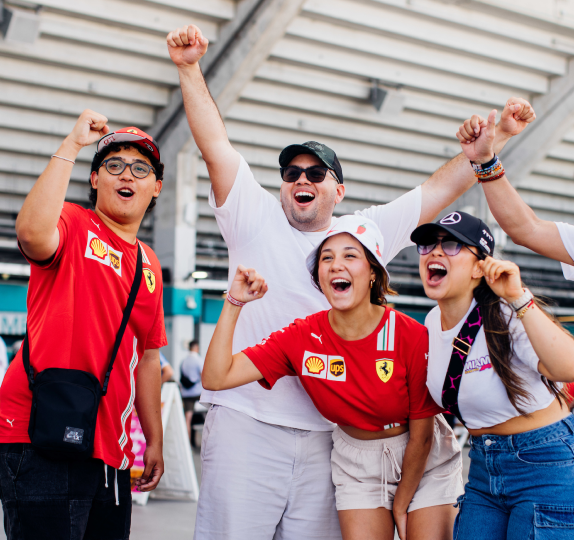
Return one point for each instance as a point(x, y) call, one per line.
point(520, 487)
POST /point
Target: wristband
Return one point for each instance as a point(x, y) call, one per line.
point(235, 302)
point(64, 158)
point(522, 302)
point(521, 312)
point(489, 171)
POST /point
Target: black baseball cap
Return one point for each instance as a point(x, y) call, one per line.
point(322, 151)
point(464, 227)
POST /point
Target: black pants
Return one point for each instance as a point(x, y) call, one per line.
point(61, 500)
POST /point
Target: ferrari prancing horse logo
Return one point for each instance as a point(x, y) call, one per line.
point(149, 279)
point(384, 369)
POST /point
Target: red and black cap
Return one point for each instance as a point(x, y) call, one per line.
point(322, 151)
point(464, 227)
point(132, 135)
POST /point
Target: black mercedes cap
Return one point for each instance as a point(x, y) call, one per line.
point(466, 228)
point(322, 151)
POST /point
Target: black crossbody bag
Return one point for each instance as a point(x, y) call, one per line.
point(461, 346)
point(65, 401)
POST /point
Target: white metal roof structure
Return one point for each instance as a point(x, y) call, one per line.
point(285, 71)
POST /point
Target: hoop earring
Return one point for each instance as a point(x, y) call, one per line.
point(372, 281)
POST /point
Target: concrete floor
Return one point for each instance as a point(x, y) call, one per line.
point(175, 520)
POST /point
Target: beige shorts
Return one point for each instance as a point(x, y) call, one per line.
point(366, 473)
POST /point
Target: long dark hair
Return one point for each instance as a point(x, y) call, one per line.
point(500, 346)
point(381, 287)
point(115, 147)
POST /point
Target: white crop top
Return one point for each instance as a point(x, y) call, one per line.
point(482, 398)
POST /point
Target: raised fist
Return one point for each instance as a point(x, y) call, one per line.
point(503, 277)
point(186, 45)
point(517, 114)
point(247, 285)
point(476, 137)
point(90, 127)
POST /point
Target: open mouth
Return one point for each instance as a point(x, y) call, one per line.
point(127, 193)
point(340, 284)
point(304, 197)
point(436, 272)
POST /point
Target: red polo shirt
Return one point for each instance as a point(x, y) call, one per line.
point(75, 307)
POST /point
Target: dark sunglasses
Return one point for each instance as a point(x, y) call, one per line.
point(450, 246)
point(117, 166)
point(314, 174)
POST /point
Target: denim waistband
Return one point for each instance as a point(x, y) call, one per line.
point(536, 437)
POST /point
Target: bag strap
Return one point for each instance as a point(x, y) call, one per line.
point(127, 312)
point(126, 316)
point(461, 346)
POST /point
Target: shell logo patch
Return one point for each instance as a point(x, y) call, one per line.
point(99, 249)
point(149, 277)
point(322, 366)
point(337, 369)
point(315, 365)
point(384, 369)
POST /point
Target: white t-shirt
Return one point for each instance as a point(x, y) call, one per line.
point(567, 234)
point(482, 399)
point(258, 235)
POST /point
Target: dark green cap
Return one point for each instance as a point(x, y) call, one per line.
point(322, 151)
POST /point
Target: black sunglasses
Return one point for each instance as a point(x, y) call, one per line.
point(315, 174)
point(117, 166)
point(451, 247)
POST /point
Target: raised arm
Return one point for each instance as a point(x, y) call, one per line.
point(186, 46)
point(456, 177)
point(553, 346)
point(37, 222)
point(515, 217)
point(222, 369)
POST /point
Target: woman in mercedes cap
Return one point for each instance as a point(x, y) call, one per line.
point(364, 366)
point(495, 359)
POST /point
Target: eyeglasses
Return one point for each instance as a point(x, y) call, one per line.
point(450, 246)
point(314, 174)
point(117, 166)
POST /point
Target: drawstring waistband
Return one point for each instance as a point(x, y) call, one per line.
point(390, 455)
point(115, 482)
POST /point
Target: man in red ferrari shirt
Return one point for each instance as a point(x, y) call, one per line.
point(83, 266)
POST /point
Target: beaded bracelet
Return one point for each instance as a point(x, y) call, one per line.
point(235, 302)
point(489, 171)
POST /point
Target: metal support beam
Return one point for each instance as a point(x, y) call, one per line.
point(555, 114)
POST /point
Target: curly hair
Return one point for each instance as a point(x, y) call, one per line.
point(116, 147)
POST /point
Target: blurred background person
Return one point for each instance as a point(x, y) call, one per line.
point(190, 382)
point(3, 359)
point(166, 369)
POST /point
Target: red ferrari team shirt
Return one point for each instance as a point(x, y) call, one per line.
point(75, 307)
point(373, 383)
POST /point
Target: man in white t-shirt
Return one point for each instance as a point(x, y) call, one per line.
point(266, 455)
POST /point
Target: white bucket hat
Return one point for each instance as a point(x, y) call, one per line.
point(361, 228)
